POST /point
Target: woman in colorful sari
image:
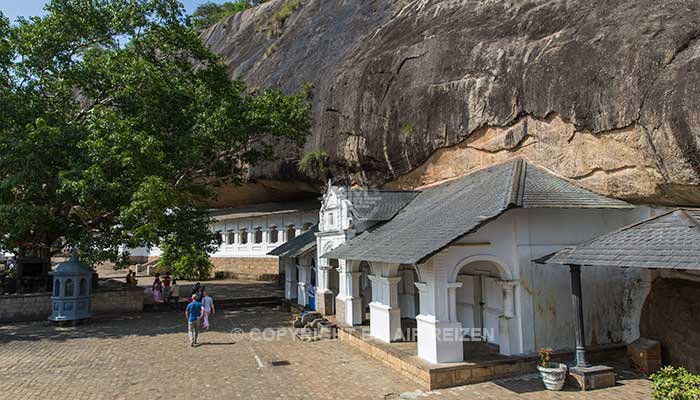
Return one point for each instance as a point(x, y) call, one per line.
point(157, 292)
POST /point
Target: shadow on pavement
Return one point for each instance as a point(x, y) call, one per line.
point(145, 324)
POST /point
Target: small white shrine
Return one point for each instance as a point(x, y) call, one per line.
point(452, 263)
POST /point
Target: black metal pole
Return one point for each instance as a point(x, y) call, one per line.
point(577, 301)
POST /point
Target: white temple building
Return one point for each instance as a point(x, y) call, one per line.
point(454, 261)
point(248, 234)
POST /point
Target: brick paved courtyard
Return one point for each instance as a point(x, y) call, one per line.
point(146, 356)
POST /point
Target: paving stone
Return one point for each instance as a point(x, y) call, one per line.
point(147, 356)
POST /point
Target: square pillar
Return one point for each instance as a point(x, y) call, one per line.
point(290, 281)
point(440, 334)
point(324, 296)
point(385, 314)
point(439, 341)
point(348, 303)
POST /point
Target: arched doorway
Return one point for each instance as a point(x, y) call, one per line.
point(365, 290)
point(670, 315)
point(480, 302)
point(333, 279)
point(408, 301)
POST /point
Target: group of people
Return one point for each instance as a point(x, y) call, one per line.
point(199, 309)
point(131, 278)
point(165, 291)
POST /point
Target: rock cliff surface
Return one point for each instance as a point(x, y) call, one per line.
point(412, 92)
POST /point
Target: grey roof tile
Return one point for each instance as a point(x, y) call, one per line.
point(670, 240)
point(441, 214)
point(299, 245)
point(257, 210)
point(378, 205)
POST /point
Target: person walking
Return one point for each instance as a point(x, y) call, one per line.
point(195, 290)
point(175, 294)
point(208, 305)
point(194, 313)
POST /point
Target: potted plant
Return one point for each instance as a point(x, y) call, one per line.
point(553, 374)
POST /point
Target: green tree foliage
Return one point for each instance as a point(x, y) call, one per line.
point(115, 123)
point(673, 383)
point(189, 263)
point(210, 13)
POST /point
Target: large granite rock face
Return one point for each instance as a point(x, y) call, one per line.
point(412, 92)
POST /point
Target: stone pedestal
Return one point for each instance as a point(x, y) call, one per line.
point(325, 300)
point(438, 341)
point(591, 378)
point(385, 322)
point(348, 310)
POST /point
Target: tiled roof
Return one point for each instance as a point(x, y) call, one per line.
point(378, 205)
point(299, 245)
point(670, 240)
point(442, 214)
point(258, 210)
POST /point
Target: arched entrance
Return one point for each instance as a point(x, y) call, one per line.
point(333, 277)
point(365, 290)
point(670, 315)
point(480, 301)
point(409, 302)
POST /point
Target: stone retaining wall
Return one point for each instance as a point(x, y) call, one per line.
point(115, 299)
point(438, 376)
point(248, 268)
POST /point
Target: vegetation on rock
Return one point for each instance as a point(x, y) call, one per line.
point(115, 123)
point(273, 25)
point(210, 13)
point(315, 164)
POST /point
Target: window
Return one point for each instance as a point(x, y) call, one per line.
point(291, 232)
point(83, 287)
point(57, 288)
point(218, 236)
point(230, 237)
point(244, 236)
point(274, 234)
point(331, 220)
point(68, 288)
point(307, 226)
point(258, 235)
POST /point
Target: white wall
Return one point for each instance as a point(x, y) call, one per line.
point(250, 249)
point(543, 310)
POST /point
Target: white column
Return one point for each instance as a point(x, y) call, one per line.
point(291, 285)
point(439, 331)
point(323, 273)
point(385, 314)
point(349, 297)
point(303, 284)
point(505, 320)
point(508, 297)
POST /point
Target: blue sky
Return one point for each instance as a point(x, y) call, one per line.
point(14, 8)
